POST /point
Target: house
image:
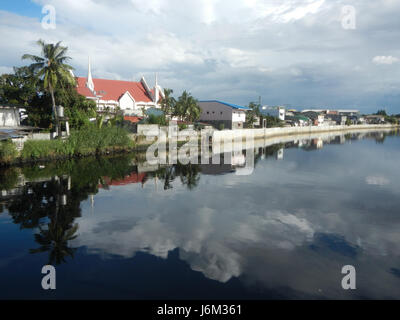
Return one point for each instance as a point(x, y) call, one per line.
point(316, 116)
point(10, 116)
point(218, 113)
point(374, 119)
point(277, 112)
point(297, 120)
point(129, 96)
point(336, 118)
point(349, 113)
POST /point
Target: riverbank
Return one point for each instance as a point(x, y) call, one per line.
point(108, 141)
point(291, 131)
point(88, 141)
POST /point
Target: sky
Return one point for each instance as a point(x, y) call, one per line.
point(302, 53)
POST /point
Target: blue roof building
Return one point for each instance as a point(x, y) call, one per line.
point(223, 115)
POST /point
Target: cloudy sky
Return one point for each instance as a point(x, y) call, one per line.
point(299, 52)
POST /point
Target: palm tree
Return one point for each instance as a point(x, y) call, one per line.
point(169, 102)
point(54, 239)
point(252, 114)
point(52, 69)
point(187, 107)
point(189, 175)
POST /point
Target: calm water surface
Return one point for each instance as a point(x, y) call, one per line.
point(116, 228)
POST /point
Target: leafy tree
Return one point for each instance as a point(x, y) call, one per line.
point(392, 119)
point(187, 107)
point(381, 113)
point(153, 119)
point(252, 114)
point(52, 69)
point(18, 88)
point(272, 122)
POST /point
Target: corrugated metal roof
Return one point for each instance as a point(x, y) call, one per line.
point(234, 106)
point(6, 134)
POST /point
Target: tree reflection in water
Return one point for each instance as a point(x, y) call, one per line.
point(48, 199)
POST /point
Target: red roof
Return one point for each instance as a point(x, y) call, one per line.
point(132, 119)
point(132, 178)
point(113, 89)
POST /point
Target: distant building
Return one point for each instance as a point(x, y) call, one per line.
point(216, 113)
point(337, 118)
point(317, 117)
point(343, 112)
point(129, 96)
point(297, 120)
point(276, 112)
point(374, 119)
point(349, 112)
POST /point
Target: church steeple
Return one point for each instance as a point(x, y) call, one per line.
point(89, 82)
point(156, 91)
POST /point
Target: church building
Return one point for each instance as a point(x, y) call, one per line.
point(129, 96)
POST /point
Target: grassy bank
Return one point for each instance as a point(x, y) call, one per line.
point(87, 141)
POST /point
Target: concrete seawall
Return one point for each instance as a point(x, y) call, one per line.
point(276, 132)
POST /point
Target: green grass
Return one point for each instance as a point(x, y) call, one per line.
point(94, 140)
point(8, 151)
point(43, 149)
point(89, 140)
point(8, 178)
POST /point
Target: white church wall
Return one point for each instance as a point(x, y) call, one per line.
point(126, 102)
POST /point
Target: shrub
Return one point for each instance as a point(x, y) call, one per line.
point(8, 151)
point(43, 149)
point(92, 139)
point(153, 119)
point(88, 140)
point(9, 178)
point(221, 126)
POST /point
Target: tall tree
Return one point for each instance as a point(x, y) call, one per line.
point(252, 114)
point(187, 107)
point(51, 67)
point(18, 88)
point(169, 102)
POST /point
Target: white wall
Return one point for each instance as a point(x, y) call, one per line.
point(9, 117)
point(277, 112)
point(238, 116)
point(126, 102)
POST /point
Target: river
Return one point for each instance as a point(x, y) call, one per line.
point(116, 228)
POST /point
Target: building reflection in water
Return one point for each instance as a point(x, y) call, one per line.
point(48, 200)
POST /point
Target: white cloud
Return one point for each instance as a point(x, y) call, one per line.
point(377, 180)
point(385, 60)
point(292, 51)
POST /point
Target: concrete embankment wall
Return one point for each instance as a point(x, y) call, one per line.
point(275, 132)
